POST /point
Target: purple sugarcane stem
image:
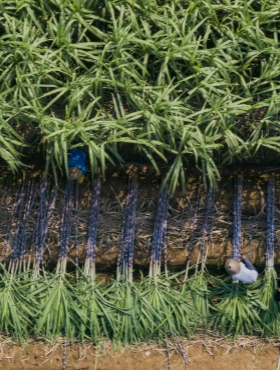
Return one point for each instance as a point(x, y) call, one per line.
point(89, 267)
point(240, 187)
point(96, 207)
point(27, 215)
point(126, 247)
point(51, 207)
point(193, 228)
point(237, 239)
point(153, 249)
point(168, 356)
point(17, 229)
point(123, 244)
point(163, 228)
point(77, 225)
point(127, 225)
point(156, 237)
point(269, 260)
point(181, 350)
point(64, 357)
point(164, 242)
point(160, 220)
point(123, 238)
point(66, 226)
point(129, 228)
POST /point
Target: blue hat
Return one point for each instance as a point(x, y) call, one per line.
point(77, 158)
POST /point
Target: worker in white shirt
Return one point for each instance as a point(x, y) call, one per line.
point(243, 271)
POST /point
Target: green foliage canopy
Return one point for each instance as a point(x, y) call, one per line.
point(179, 81)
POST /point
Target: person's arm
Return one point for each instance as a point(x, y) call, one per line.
point(248, 263)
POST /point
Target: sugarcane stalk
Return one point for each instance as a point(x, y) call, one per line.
point(163, 230)
point(64, 356)
point(168, 355)
point(193, 228)
point(269, 260)
point(15, 243)
point(27, 213)
point(164, 243)
point(66, 223)
point(158, 234)
point(122, 246)
point(77, 224)
point(126, 248)
point(181, 350)
point(237, 210)
point(89, 267)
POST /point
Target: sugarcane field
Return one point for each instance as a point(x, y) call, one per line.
point(139, 184)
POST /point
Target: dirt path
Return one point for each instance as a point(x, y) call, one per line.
point(219, 356)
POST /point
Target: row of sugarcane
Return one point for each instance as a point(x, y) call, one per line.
point(35, 302)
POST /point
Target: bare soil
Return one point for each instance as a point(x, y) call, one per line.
point(217, 355)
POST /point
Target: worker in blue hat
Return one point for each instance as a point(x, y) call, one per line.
point(76, 164)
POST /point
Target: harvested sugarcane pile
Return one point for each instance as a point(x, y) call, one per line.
point(68, 301)
point(186, 218)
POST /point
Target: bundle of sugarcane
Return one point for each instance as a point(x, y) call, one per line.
point(159, 233)
point(15, 241)
point(17, 306)
point(21, 260)
point(198, 284)
point(131, 313)
point(236, 305)
point(172, 313)
point(126, 248)
point(66, 223)
point(45, 210)
point(58, 309)
point(94, 306)
point(90, 260)
point(267, 284)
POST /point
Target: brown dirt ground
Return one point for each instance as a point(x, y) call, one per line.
point(211, 355)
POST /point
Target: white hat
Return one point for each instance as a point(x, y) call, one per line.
point(232, 267)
